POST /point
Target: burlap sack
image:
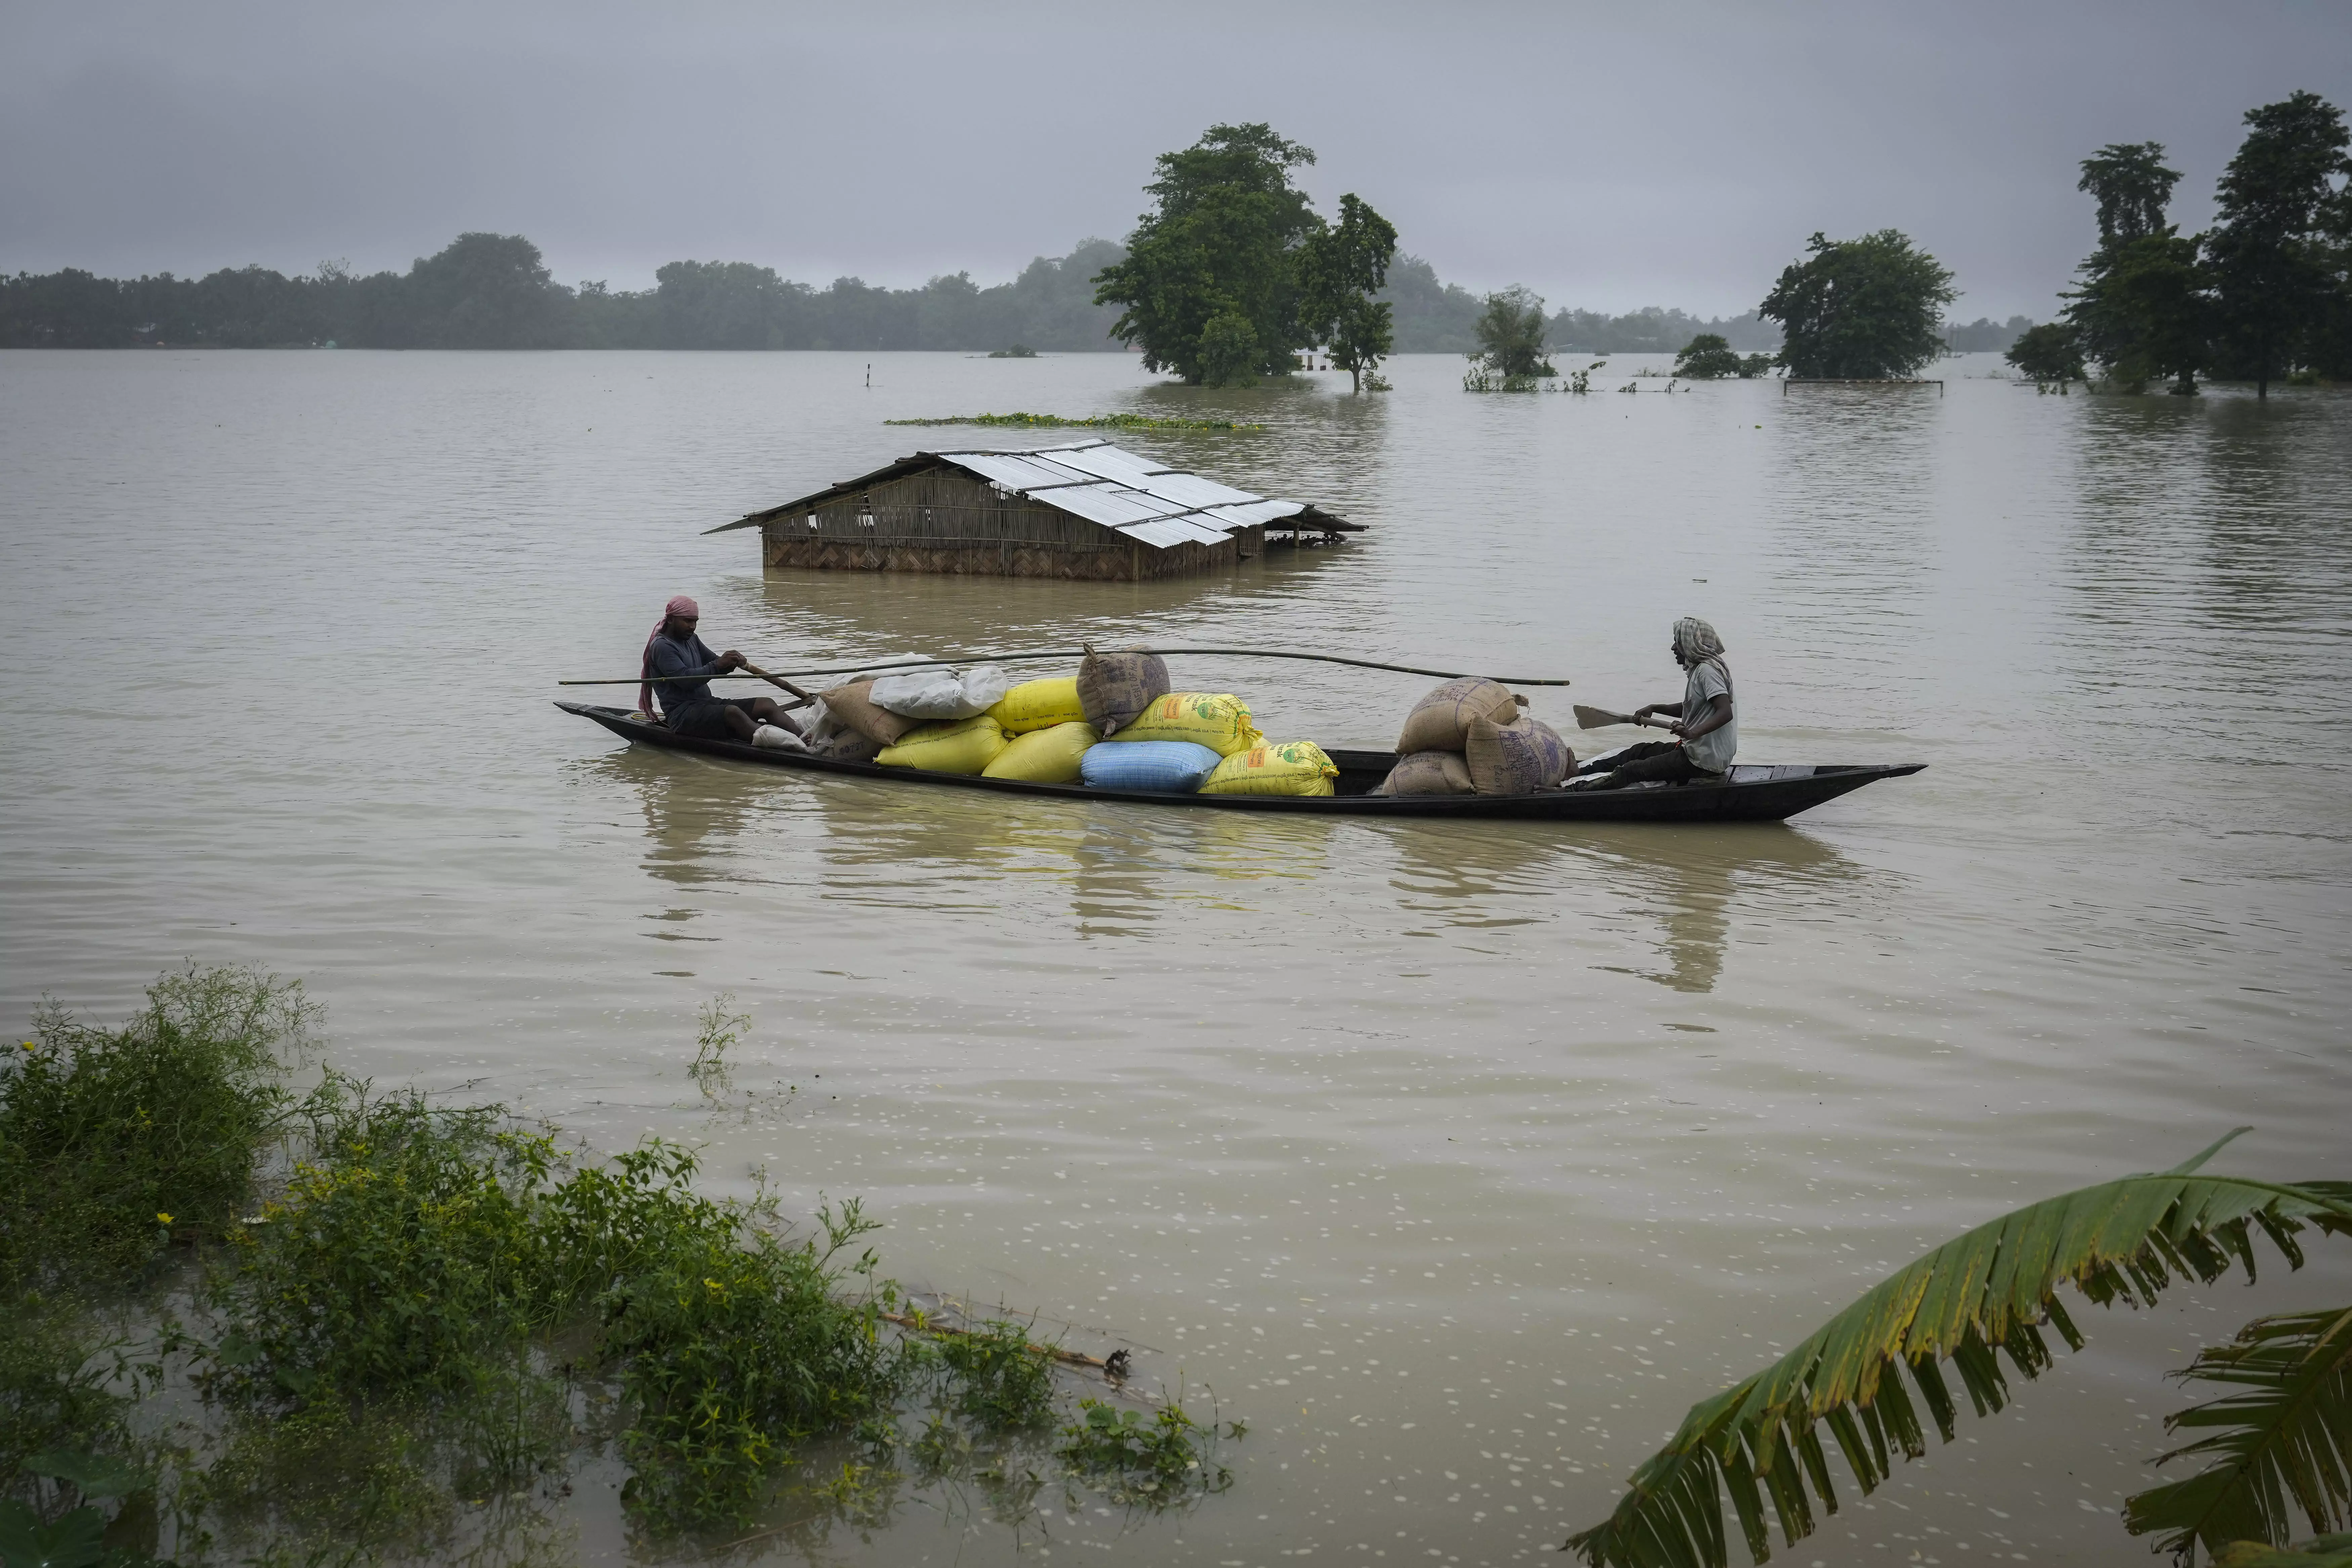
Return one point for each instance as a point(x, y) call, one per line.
point(1429, 772)
point(1114, 688)
point(846, 746)
point(853, 706)
point(1518, 758)
point(1440, 720)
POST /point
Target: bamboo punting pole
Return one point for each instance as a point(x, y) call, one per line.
point(1080, 653)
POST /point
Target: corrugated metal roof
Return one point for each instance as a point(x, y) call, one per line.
point(1105, 484)
point(1158, 506)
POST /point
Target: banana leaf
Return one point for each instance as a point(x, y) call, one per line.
point(1990, 1290)
point(2279, 1445)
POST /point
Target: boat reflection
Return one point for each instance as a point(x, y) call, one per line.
point(1687, 879)
point(1122, 865)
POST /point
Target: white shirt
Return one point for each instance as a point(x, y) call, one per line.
point(1712, 750)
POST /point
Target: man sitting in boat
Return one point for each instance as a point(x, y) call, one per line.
point(1705, 720)
point(687, 665)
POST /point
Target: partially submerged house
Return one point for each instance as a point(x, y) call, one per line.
point(1091, 511)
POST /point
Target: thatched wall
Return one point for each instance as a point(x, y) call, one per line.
point(945, 521)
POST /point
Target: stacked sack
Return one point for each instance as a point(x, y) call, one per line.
point(1047, 729)
point(1468, 737)
point(1054, 730)
point(1156, 740)
point(1185, 742)
point(935, 718)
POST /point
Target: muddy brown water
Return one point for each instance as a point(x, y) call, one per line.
point(1457, 1159)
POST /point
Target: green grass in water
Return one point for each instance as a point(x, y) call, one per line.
point(1099, 422)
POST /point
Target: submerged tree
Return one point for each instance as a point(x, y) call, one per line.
point(2141, 310)
point(1212, 282)
point(2052, 352)
point(1864, 309)
point(1709, 357)
point(2278, 270)
point(1345, 266)
point(1511, 334)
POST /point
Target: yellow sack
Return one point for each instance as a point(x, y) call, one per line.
point(951, 746)
point(1039, 705)
point(1216, 719)
point(1294, 767)
point(1044, 756)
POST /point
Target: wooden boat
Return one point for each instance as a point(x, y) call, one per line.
point(1754, 793)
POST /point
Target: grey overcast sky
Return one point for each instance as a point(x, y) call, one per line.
point(1608, 155)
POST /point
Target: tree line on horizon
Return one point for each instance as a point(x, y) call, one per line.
point(1231, 276)
point(494, 291)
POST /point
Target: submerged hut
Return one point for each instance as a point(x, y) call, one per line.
point(1092, 510)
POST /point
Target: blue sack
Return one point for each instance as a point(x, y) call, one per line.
point(1167, 767)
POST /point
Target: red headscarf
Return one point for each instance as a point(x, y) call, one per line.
point(680, 605)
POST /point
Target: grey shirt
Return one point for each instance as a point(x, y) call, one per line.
point(1714, 750)
point(666, 655)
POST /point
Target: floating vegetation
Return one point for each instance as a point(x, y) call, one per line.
point(1479, 378)
point(1018, 351)
point(402, 1326)
point(1098, 421)
point(1157, 1462)
point(721, 1029)
point(1001, 1378)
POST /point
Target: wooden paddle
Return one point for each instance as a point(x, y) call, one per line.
point(1600, 719)
point(778, 680)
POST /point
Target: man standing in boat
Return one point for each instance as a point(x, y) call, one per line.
point(687, 665)
point(1704, 719)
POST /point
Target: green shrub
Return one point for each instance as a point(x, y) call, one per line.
point(114, 1141)
point(999, 1376)
point(735, 1349)
point(400, 1254)
point(417, 1254)
point(60, 1389)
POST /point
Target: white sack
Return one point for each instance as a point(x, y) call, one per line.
point(984, 686)
point(928, 694)
point(776, 738)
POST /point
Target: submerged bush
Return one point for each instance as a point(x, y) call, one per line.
point(1001, 1378)
point(60, 1389)
point(400, 1251)
point(418, 1254)
point(114, 1141)
point(1168, 1459)
point(734, 1350)
point(425, 1309)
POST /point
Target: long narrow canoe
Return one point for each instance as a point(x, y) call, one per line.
point(1752, 793)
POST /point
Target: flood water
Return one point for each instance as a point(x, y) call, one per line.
point(1457, 1159)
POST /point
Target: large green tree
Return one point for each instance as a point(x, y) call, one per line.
point(2277, 254)
point(2140, 307)
point(2051, 353)
point(1216, 277)
point(1344, 267)
point(486, 291)
point(1864, 309)
point(1511, 334)
point(1707, 357)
